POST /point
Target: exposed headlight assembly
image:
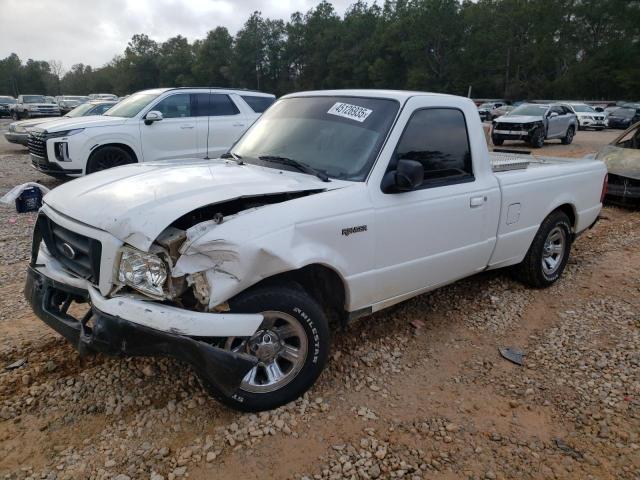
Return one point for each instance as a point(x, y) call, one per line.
point(142, 271)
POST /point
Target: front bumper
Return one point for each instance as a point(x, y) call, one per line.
point(590, 123)
point(52, 169)
point(511, 134)
point(99, 331)
point(15, 137)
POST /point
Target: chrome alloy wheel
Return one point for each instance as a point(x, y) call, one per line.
point(280, 344)
point(554, 250)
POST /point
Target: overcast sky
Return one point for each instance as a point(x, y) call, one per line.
point(93, 31)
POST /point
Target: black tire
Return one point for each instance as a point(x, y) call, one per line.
point(298, 305)
point(568, 137)
point(537, 138)
point(497, 141)
point(15, 115)
point(109, 156)
point(531, 271)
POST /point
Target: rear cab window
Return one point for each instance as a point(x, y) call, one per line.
point(437, 138)
point(258, 104)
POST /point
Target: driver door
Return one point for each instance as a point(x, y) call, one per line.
point(445, 229)
point(175, 136)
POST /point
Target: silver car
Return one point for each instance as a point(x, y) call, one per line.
point(535, 123)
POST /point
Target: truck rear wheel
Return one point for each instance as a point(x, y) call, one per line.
point(549, 252)
point(291, 344)
point(108, 157)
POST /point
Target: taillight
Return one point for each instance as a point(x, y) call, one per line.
point(605, 184)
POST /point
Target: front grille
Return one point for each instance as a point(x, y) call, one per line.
point(47, 109)
point(510, 126)
point(37, 144)
point(79, 254)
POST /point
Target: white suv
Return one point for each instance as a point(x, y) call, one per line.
point(159, 124)
point(588, 117)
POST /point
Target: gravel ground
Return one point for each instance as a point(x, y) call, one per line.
point(416, 391)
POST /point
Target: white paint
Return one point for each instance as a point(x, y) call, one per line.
point(176, 320)
point(170, 138)
point(414, 241)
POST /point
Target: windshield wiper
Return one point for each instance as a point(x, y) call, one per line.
point(233, 156)
point(303, 167)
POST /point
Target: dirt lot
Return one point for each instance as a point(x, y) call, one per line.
point(418, 391)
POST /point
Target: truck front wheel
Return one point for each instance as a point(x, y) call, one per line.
point(548, 253)
point(291, 344)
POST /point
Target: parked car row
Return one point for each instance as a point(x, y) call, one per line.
point(27, 106)
point(597, 117)
point(19, 131)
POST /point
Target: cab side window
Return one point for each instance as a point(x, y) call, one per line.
point(175, 106)
point(437, 138)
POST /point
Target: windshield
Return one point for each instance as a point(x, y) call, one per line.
point(583, 108)
point(529, 110)
point(623, 112)
point(34, 99)
point(340, 136)
point(7, 100)
point(131, 106)
point(486, 105)
point(80, 110)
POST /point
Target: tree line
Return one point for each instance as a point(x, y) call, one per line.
point(514, 49)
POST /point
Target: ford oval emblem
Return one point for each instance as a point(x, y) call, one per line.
point(68, 251)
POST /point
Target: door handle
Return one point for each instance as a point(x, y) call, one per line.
point(238, 124)
point(477, 201)
point(186, 127)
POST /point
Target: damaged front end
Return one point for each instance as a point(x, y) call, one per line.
point(98, 331)
point(152, 307)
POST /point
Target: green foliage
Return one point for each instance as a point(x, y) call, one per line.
point(501, 48)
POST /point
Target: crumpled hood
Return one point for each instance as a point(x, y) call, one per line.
point(83, 122)
point(520, 119)
point(135, 203)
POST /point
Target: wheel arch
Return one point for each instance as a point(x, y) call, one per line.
point(570, 210)
point(322, 282)
point(128, 148)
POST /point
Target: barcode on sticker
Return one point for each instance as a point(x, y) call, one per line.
point(353, 112)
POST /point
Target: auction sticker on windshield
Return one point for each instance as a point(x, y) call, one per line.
point(353, 112)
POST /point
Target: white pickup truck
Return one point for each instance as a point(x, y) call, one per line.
point(334, 204)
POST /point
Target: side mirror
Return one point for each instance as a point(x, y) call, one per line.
point(408, 175)
point(153, 116)
point(552, 114)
